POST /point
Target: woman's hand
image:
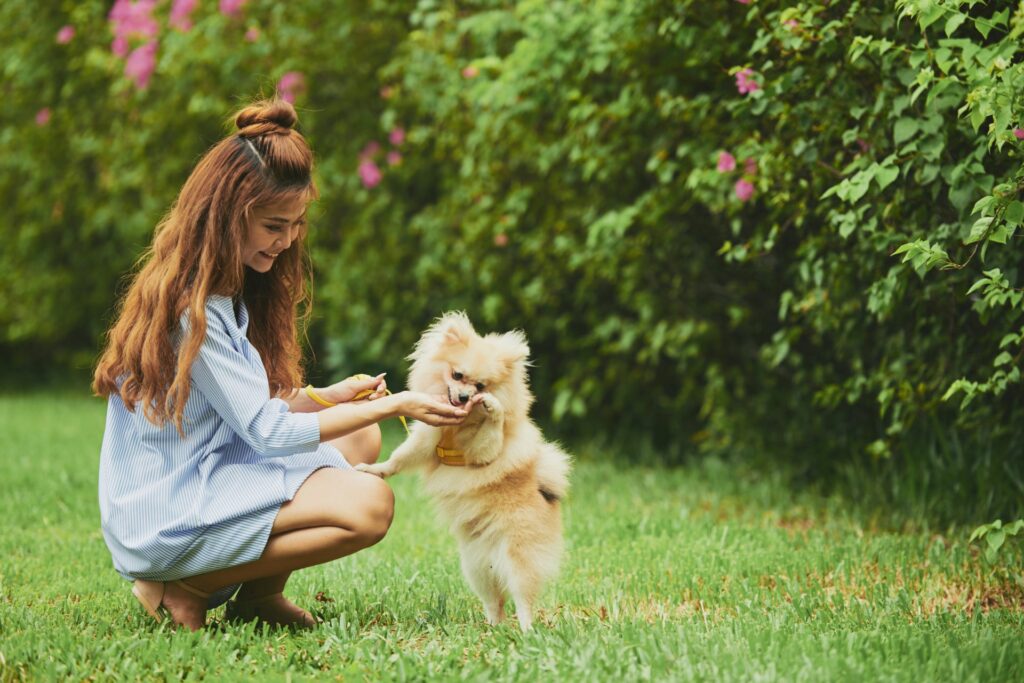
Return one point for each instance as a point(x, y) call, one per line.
point(433, 410)
point(347, 390)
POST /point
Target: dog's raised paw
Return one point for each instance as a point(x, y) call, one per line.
point(378, 470)
point(490, 404)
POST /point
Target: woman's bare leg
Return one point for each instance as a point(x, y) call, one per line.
point(334, 513)
point(358, 447)
point(362, 446)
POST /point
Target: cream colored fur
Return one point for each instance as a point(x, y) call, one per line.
point(503, 506)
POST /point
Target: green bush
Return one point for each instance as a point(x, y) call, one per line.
point(779, 228)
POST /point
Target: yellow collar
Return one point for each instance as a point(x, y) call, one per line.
point(446, 451)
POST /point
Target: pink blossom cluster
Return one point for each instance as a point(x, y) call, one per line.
point(231, 8)
point(291, 85)
point(745, 83)
point(181, 11)
point(65, 34)
point(1018, 133)
point(369, 172)
point(744, 188)
point(133, 19)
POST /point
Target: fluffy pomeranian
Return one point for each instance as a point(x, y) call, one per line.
point(494, 477)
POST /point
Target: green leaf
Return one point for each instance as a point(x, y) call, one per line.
point(1002, 359)
point(978, 230)
point(978, 533)
point(995, 539)
point(886, 175)
point(905, 129)
point(1014, 527)
point(1002, 234)
point(953, 23)
point(1014, 212)
point(858, 187)
point(978, 285)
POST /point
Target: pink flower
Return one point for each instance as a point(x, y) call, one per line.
point(470, 72)
point(43, 116)
point(1018, 133)
point(180, 11)
point(750, 166)
point(394, 158)
point(744, 83)
point(253, 34)
point(791, 24)
point(387, 92)
point(369, 174)
point(65, 34)
point(134, 18)
point(500, 240)
point(231, 8)
point(140, 64)
point(120, 46)
point(397, 137)
point(726, 162)
point(744, 190)
point(292, 83)
point(370, 151)
point(743, 2)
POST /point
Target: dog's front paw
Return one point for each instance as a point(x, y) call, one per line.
point(491, 405)
point(380, 469)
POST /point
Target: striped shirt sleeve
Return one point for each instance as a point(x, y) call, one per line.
point(241, 395)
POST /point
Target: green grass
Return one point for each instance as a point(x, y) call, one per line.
point(701, 573)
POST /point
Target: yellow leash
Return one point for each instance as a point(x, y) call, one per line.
point(311, 392)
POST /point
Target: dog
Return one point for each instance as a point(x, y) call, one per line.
point(494, 477)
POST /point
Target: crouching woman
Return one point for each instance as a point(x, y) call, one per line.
point(218, 475)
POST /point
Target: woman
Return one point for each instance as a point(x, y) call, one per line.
point(216, 470)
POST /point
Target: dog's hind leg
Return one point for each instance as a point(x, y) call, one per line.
point(524, 585)
point(485, 584)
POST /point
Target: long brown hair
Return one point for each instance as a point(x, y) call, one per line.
point(197, 251)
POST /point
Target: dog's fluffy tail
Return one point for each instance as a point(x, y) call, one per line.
point(553, 468)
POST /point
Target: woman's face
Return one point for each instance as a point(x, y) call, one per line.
point(272, 229)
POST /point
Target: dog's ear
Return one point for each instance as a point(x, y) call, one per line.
point(451, 328)
point(512, 348)
point(454, 328)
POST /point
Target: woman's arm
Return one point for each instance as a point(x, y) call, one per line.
point(299, 401)
point(346, 418)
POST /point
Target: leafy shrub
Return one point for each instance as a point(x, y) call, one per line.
point(781, 228)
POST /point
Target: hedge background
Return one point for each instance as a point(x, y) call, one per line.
point(786, 231)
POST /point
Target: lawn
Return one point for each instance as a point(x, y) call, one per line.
point(701, 573)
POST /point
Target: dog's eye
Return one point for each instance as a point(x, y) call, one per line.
point(457, 376)
point(479, 386)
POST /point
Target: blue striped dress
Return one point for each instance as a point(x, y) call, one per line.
point(173, 507)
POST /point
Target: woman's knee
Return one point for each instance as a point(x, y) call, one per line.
point(377, 512)
point(361, 447)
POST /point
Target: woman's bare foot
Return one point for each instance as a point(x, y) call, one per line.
point(187, 609)
point(273, 610)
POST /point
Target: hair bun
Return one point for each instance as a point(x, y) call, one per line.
point(265, 115)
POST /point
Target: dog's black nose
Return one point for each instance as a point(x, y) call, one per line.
point(463, 398)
